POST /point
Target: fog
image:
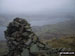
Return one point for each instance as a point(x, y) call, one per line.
point(36, 11)
point(37, 7)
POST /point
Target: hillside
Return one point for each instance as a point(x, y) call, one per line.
point(3, 48)
point(66, 28)
point(65, 42)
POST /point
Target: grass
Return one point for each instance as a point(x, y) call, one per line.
point(65, 42)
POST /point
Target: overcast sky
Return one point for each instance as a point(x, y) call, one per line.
point(38, 10)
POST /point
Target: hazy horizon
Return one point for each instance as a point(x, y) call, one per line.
point(37, 12)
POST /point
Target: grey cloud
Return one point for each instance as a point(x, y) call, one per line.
point(36, 6)
point(37, 10)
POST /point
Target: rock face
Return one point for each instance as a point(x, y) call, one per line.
point(21, 40)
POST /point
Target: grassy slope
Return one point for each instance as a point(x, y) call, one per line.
point(65, 42)
point(56, 30)
point(3, 48)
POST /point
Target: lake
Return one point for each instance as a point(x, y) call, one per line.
point(2, 29)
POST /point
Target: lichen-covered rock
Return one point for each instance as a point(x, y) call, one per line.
point(20, 38)
point(22, 41)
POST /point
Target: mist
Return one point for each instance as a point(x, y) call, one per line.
point(37, 11)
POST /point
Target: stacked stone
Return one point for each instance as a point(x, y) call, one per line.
point(19, 36)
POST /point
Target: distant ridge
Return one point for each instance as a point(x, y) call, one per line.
point(56, 30)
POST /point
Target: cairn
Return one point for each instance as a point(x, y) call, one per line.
point(20, 37)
